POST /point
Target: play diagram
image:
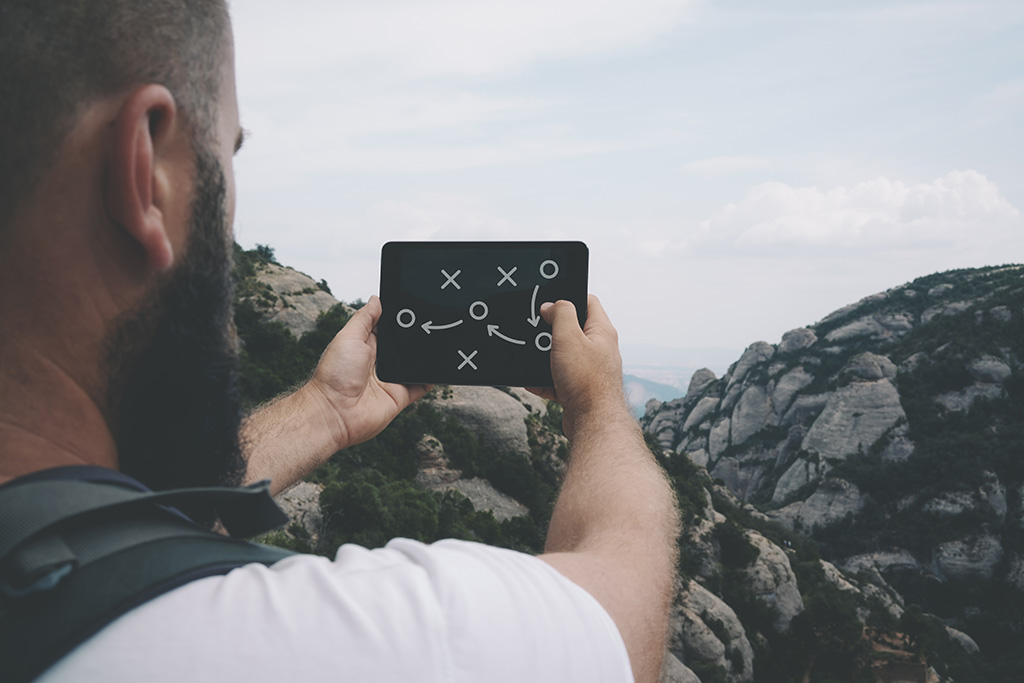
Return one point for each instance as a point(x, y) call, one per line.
point(472, 315)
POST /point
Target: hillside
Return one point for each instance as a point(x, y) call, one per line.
point(891, 433)
point(815, 478)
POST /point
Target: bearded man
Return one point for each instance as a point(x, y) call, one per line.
point(118, 125)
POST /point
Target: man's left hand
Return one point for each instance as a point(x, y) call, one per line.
point(346, 381)
point(342, 405)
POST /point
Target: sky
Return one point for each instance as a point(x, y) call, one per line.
point(737, 168)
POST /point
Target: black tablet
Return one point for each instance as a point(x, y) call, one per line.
point(468, 312)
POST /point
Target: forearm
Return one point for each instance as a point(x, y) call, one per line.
point(288, 438)
point(616, 521)
point(613, 489)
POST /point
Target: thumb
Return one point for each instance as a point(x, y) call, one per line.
point(561, 315)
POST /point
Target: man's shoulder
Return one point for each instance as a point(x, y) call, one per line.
point(376, 614)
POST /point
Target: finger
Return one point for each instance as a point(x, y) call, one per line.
point(561, 315)
point(374, 308)
point(418, 391)
point(597, 317)
point(363, 321)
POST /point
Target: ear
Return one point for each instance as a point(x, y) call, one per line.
point(137, 181)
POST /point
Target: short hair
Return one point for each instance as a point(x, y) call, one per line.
point(58, 55)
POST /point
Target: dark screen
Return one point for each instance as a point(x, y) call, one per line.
point(467, 312)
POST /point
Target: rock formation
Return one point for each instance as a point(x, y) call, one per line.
point(885, 431)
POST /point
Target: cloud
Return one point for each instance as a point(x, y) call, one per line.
point(726, 165)
point(961, 209)
point(439, 37)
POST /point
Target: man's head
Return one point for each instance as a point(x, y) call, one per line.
point(117, 127)
point(56, 57)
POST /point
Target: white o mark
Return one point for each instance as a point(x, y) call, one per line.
point(553, 275)
point(543, 335)
point(473, 307)
point(412, 318)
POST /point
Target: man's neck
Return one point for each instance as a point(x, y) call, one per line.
point(47, 419)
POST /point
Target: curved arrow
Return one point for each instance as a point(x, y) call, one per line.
point(534, 318)
point(429, 325)
point(492, 331)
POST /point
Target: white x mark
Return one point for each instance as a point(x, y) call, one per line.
point(450, 279)
point(467, 360)
point(507, 276)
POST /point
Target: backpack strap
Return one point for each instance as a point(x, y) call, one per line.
point(76, 555)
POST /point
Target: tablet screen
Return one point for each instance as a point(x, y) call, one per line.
point(468, 312)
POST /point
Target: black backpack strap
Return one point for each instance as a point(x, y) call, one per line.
point(67, 572)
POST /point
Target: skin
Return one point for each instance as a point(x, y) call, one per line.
point(123, 178)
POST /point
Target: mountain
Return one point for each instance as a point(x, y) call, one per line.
point(851, 496)
point(891, 433)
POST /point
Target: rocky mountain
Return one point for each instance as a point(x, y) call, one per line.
point(891, 433)
point(851, 495)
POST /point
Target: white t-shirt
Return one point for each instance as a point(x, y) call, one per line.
point(452, 611)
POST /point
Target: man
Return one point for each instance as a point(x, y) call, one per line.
point(118, 123)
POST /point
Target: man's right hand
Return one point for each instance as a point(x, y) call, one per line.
point(614, 527)
point(585, 363)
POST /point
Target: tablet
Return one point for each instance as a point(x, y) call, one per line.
point(468, 312)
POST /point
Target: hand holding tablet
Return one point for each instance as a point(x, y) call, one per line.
point(469, 312)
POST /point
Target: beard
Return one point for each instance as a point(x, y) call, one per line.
point(173, 402)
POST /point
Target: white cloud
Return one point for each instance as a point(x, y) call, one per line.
point(961, 209)
point(426, 37)
point(726, 165)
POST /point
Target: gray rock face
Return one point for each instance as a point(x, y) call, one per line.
point(300, 300)
point(486, 498)
point(773, 582)
point(435, 474)
point(845, 310)
point(698, 457)
point(718, 441)
point(797, 340)
point(674, 671)
point(939, 290)
point(989, 497)
point(913, 362)
point(702, 411)
point(831, 502)
point(973, 557)
point(1001, 313)
point(874, 327)
point(498, 420)
point(855, 417)
point(963, 640)
point(756, 353)
point(868, 367)
point(945, 309)
point(962, 401)
point(699, 382)
point(989, 369)
point(805, 407)
point(743, 478)
point(801, 473)
point(1015, 574)
point(691, 637)
point(665, 423)
point(301, 503)
point(836, 577)
point(878, 564)
point(751, 414)
point(786, 388)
